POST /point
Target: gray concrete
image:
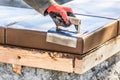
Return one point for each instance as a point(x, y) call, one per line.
point(107, 70)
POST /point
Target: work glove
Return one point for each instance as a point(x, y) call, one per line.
point(60, 14)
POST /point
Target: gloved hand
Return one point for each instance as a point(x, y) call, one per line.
point(62, 12)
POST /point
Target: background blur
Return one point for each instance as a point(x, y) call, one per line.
point(20, 3)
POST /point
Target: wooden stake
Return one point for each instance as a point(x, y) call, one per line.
point(17, 69)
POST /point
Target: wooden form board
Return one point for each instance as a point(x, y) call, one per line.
point(2, 34)
point(38, 59)
point(97, 55)
point(60, 61)
point(36, 39)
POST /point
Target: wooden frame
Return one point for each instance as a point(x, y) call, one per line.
point(59, 61)
point(39, 59)
point(97, 55)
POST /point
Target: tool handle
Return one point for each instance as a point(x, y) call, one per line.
point(74, 20)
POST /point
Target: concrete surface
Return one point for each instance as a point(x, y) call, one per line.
point(107, 70)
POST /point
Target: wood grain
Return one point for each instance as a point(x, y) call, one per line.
point(2, 35)
point(119, 26)
point(46, 60)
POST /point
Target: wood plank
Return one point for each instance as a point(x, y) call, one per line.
point(2, 35)
point(97, 55)
point(37, 39)
point(38, 59)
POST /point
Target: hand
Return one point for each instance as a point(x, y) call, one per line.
point(56, 10)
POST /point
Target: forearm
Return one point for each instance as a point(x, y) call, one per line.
point(40, 5)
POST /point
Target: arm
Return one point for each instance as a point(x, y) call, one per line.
point(40, 5)
point(50, 6)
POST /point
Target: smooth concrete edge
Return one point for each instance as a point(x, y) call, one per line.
point(101, 35)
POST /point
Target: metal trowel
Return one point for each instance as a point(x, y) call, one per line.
point(61, 34)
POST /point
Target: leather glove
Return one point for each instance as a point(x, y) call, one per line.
point(60, 14)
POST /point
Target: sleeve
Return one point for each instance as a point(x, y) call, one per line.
point(40, 5)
